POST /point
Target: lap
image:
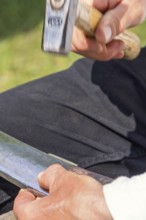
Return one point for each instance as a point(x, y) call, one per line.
point(92, 114)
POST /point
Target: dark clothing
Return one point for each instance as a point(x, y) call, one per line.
point(92, 114)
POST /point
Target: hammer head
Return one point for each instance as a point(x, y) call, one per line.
point(59, 21)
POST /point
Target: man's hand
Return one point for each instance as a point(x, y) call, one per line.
point(118, 16)
point(71, 197)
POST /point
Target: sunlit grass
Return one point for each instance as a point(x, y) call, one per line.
point(22, 60)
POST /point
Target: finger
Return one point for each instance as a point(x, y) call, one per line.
point(23, 198)
point(111, 25)
point(106, 55)
point(103, 5)
point(48, 178)
point(116, 20)
point(113, 50)
point(85, 44)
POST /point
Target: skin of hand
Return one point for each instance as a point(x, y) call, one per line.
point(71, 197)
point(118, 16)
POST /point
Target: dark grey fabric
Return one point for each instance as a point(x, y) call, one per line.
point(4, 197)
point(92, 114)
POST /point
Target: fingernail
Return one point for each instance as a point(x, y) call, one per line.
point(107, 33)
point(40, 174)
point(22, 190)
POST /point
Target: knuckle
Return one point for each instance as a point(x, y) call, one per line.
point(54, 168)
point(117, 25)
point(113, 3)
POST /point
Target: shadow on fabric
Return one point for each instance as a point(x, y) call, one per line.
point(125, 86)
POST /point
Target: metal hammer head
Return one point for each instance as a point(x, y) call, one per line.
point(58, 25)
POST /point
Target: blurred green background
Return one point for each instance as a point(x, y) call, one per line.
point(21, 58)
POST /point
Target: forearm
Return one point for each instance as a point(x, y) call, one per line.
point(126, 198)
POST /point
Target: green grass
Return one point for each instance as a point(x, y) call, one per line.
point(140, 30)
point(21, 58)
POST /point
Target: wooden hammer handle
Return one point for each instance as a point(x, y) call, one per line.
point(88, 19)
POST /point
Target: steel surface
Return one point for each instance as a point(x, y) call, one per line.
point(20, 164)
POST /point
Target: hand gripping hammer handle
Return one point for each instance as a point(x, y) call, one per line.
point(87, 20)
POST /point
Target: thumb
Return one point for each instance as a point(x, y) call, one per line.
point(23, 198)
point(113, 22)
point(49, 179)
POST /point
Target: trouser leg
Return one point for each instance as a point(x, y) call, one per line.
point(91, 114)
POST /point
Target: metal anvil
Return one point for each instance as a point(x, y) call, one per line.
point(62, 15)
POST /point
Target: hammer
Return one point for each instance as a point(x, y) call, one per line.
point(62, 15)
